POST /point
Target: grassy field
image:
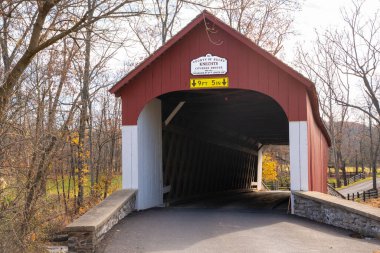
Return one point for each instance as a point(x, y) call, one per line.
point(51, 186)
point(353, 170)
point(332, 180)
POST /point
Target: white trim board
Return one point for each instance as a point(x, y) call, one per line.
point(129, 157)
point(298, 148)
point(260, 168)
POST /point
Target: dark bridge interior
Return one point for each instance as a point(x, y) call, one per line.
point(211, 144)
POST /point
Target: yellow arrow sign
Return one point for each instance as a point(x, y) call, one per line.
point(209, 83)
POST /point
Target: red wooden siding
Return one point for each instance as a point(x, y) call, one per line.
point(317, 153)
point(246, 70)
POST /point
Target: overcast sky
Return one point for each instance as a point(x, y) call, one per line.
point(320, 15)
point(315, 15)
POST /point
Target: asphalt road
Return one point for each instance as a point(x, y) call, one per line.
point(227, 226)
point(367, 185)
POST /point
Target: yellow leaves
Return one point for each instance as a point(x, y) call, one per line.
point(82, 156)
point(74, 138)
point(97, 187)
point(83, 180)
point(269, 168)
point(75, 141)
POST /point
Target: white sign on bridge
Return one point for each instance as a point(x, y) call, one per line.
point(209, 65)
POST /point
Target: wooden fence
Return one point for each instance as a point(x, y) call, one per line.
point(275, 186)
point(351, 180)
point(365, 195)
point(348, 174)
point(355, 178)
point(331, 191)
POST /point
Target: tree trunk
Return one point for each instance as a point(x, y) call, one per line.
point(374, 165)
point(90, 164)
point(374, 160)
point(82, 155)
point(356, 164)
point(63, 189)
point(344, 173)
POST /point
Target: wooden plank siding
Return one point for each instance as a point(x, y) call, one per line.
point(317, 153)
point(246, 70)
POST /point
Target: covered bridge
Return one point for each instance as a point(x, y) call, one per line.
point(198, 111)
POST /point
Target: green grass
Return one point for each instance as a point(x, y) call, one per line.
point(331, 180)
point(51, 185)
point(353, 170)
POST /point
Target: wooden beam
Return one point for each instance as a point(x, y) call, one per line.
point(174, 112)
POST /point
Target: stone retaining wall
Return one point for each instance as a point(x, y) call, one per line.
point(87, 231)
point(338, 212)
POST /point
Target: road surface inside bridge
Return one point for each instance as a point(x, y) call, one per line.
point(244, 222)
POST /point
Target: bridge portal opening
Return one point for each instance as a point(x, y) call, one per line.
point(214, 134)
point(212, 141)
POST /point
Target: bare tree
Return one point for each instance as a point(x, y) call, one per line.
point(266, 22)
point(52, 51)
point(28, 27)
point(83, 119)
point(344, 65)
point(356, 53)
point(157, 25)
point(319, 68)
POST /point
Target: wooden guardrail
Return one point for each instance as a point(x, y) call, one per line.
point(348, 174)
point(350, 180)
point(265, 186)
point(365, 195)
point(331, 191)
point(275, 186)
point(355, 178)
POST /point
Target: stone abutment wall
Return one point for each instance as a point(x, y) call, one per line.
point(338, 212)
point(87, 231)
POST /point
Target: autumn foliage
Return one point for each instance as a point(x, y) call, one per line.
point(269, 168)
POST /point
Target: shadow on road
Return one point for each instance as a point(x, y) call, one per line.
point(242, 201)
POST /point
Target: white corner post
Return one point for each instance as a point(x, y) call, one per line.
point(260, 169)
point(298, 148)
point(142, 156)
point(129, 159)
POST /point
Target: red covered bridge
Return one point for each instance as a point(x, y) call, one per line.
point(197, 113)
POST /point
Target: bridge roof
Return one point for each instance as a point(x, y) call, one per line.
point(205, 15)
